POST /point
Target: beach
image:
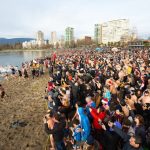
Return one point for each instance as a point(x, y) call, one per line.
point(25, 103)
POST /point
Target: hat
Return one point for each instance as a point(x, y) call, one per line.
point(105, 100)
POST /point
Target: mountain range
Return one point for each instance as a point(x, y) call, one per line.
point(14, 40)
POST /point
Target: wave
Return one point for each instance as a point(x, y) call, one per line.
point(6, 69)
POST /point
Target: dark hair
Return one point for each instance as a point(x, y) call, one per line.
point(146, 92)
point(126, 122)
point(76, 121)
point(79, 104)
point(122, 103)
point(128, 96)
point(51, 114)
point(141, 119)
point(113, 119)
point(57, 116)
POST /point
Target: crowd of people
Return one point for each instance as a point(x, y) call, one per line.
point(95, 100)
point(99, 100)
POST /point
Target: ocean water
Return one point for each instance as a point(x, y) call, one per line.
point(16, 58)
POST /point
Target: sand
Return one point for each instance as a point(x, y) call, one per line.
point(25, 103)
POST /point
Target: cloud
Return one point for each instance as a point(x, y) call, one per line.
point(25, 17)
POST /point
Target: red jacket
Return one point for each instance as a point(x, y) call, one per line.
point(96, 116)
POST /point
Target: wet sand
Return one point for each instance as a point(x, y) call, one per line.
point(25, 103)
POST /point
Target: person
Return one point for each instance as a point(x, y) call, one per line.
point(139, 128)
point(76, 134)
point(2, 91)
point(90, 104)
point(130, 142)
point(145, 98)
point(50, 122)
point(57, 131)
point(33, 71)
point(110, 136)
point(85, 124)
point(74, 92)
point(26, 73)
point(13, 71)
point(20, 74)
point(98, 117)
point(107, 93)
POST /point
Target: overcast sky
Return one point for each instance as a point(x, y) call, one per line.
point(23, 18)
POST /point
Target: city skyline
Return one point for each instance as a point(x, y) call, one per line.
point(25, 18)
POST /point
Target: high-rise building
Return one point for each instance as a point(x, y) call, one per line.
point(69, 36)
point(53, 38)
point(111, 31)
point(98, 33)
point(40, 38)
point(62, 41)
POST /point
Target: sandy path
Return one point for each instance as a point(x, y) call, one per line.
point(25, 103)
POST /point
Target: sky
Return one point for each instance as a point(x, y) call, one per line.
point(23, 18)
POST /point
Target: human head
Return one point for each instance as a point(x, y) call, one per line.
point(78, 104)
point(57, 117)
point(146, 93)
point(88, 99)
point(128, 97)
point(49, 115)
point(139, 120)
point(104, 101)
point(126, 122)
point(146, 106)
point(75, 123)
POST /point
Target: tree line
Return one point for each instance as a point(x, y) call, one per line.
point(10, 46)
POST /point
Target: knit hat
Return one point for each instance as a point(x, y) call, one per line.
point(105, 101)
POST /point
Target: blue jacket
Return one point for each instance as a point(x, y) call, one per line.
point(76, 134)
point(85, 124)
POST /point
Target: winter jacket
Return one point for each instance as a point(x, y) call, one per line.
point(125, 138)
point(140, 131)
point(97, 116)
point(85, 124)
